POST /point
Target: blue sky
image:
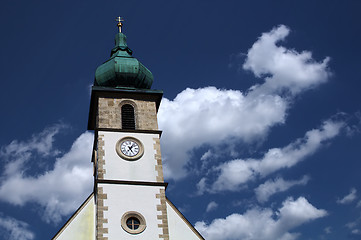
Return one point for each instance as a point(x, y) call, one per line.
point(261, 112)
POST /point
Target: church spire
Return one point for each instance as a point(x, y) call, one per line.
point(119, 24)
point(122, 70)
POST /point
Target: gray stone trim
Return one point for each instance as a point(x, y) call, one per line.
point(158, 159)
point(101, 160)
point(101, 230)
point(102, 92)
point(162, 208)
point(109, 113)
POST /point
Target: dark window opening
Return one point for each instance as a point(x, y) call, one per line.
point(128, 121)
point(133, 223)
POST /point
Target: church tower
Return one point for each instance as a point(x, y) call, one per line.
point(129, 200)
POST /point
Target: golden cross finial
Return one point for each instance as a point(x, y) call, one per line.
point(119, 24)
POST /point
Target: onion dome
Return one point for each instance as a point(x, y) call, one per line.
point(121, 69)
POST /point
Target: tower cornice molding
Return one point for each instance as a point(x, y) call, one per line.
point(125, 182)
point(159, 132)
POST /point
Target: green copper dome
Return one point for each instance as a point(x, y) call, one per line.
point(123, 70)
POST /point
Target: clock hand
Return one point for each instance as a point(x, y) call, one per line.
point(130, 149)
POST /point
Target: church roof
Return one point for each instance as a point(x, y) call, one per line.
point(121, 69)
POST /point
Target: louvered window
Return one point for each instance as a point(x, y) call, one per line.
point(128, 121)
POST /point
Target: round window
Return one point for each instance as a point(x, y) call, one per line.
point(133, 222)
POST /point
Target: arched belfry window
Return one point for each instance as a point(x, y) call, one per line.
point(128, 120)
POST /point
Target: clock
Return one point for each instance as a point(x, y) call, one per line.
point(129, 148)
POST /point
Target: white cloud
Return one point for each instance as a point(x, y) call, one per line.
point(17, 153)
point(271, 187)
point(262, 224)
point(237, 172)
point(60, 190)
point(284, 69)
point(349, 197)
point(328, 230)
point(352, 224)
point(206, 155)
point(202, 186)
point(212, 116)
point(211, 206)
point(13, 229)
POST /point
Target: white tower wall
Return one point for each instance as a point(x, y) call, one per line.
point(130, 198)
point(117, 168)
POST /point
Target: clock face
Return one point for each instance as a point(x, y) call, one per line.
point(129, 148)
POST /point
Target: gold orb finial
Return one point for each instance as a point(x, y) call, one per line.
point(119, 24)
